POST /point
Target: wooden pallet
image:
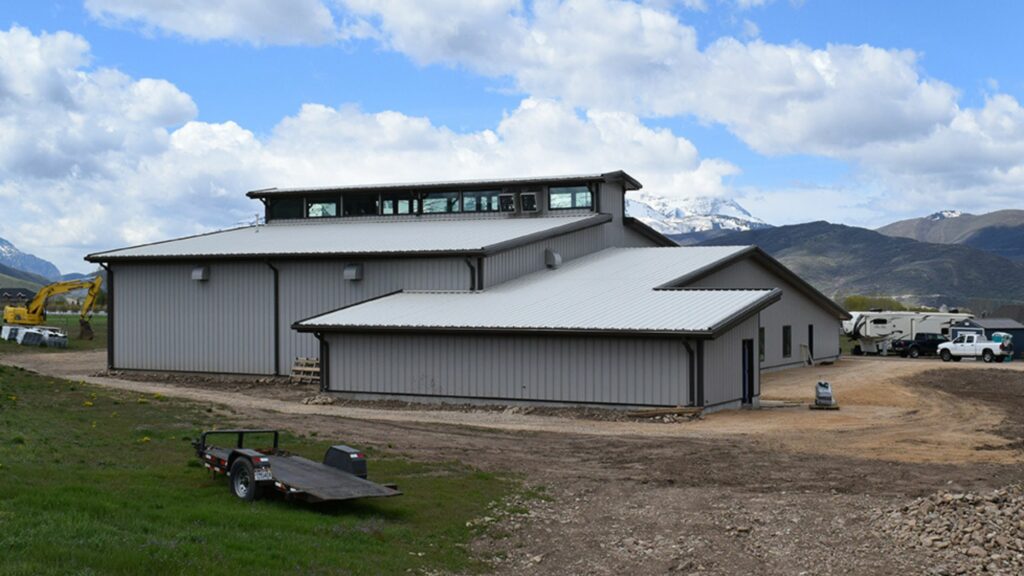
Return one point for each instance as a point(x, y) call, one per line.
point(306, 371)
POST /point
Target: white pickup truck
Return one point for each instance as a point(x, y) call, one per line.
point(998, 349)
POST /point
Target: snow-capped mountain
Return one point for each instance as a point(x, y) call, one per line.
point(946, 215)
point(14, 258)
point(702, 217)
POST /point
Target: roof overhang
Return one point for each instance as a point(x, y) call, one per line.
point(629, 183)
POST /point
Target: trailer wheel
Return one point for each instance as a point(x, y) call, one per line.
point(987, 355)
point(243, 480)
point(945, 355)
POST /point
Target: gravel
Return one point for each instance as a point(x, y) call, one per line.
point(965, 533)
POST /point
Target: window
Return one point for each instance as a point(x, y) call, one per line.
point(399, 203)
point(879, 321)
point(528, 201)
point(760, 343)
point(787, 341)
point(441, 202)
point(481, 201)
point(507, 202)
point(569, 197)
point(284, 208)
point(321, 208)
point(360, 204)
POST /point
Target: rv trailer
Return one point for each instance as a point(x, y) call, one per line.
point(875, 331)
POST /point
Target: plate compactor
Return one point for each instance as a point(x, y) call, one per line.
point(823, 397)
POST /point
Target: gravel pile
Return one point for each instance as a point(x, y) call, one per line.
point(966, 533)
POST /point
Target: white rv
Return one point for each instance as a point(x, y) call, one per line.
point(875, 331)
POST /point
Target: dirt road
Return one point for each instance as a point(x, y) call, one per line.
point(775, 491)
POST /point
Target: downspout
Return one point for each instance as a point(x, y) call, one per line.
point(691, 378)
point(472, 274)
point(110, 315)
point(277, 318)
point(325, 362)
point(700, 372)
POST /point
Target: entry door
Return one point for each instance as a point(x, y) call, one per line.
point(748, 371)
point(810, 339)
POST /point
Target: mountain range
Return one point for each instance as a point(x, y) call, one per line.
point(13, 258)
point(845, 260)
point(691, 220)
point(1000, 232)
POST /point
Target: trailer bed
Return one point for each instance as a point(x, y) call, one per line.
point(320, 482)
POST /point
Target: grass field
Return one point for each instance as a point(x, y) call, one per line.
point(68, 322)
point(100, 482)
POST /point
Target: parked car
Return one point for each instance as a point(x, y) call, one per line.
point(998, 349)
point(923, 344)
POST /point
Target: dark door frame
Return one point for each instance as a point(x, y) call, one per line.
point(748, 371)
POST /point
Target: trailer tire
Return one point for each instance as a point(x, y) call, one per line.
point(987, 355)
point(243, 480)
point(945, 355)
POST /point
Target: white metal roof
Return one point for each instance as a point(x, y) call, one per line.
point(421, 236)
point(612, 290)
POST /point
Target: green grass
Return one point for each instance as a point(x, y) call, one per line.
point(100, 482)
point(68, 322)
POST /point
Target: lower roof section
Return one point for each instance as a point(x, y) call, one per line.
point(617, 290)
point(424, 236)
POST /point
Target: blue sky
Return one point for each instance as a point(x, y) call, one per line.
point(858, 112)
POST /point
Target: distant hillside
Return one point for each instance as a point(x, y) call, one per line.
point(1000, 232)
point(844, 260)
point(12, 278)
point(11, 257)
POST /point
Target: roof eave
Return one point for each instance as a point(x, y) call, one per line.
point(369, 329)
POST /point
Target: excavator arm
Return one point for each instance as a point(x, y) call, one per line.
point(34, 313)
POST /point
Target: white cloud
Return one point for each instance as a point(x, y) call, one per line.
point(252, 21)
point(92, 159)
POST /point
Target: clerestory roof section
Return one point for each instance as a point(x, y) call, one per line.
point(617, 290)
point(629, 182)
point(359, 239)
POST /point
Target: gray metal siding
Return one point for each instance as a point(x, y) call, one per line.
point(516, 262)
point(164, 320)
point(313, 287)
point(633, 239)
point(723, 364)
point(794, 309)
point(629, 371)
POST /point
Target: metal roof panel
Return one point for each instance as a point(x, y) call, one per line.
point(616, 289)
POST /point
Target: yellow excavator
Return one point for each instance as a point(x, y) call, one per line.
point(34, 313)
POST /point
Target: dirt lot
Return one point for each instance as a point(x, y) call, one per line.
point(777, 491)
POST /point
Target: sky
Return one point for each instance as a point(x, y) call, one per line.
point(130, 121)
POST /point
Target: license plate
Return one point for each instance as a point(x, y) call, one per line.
point(263, 474)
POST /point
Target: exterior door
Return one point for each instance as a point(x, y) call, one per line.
point(748, 371)
point(810, 340)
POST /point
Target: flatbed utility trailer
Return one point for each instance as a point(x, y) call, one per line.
point(252, 472)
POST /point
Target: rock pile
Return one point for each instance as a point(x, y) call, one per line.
point(966, 533)
point(319, 400)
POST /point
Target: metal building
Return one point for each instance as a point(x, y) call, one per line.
point(986, 327)
point(536, 289)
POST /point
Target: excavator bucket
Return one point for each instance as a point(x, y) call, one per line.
point(85, 332)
